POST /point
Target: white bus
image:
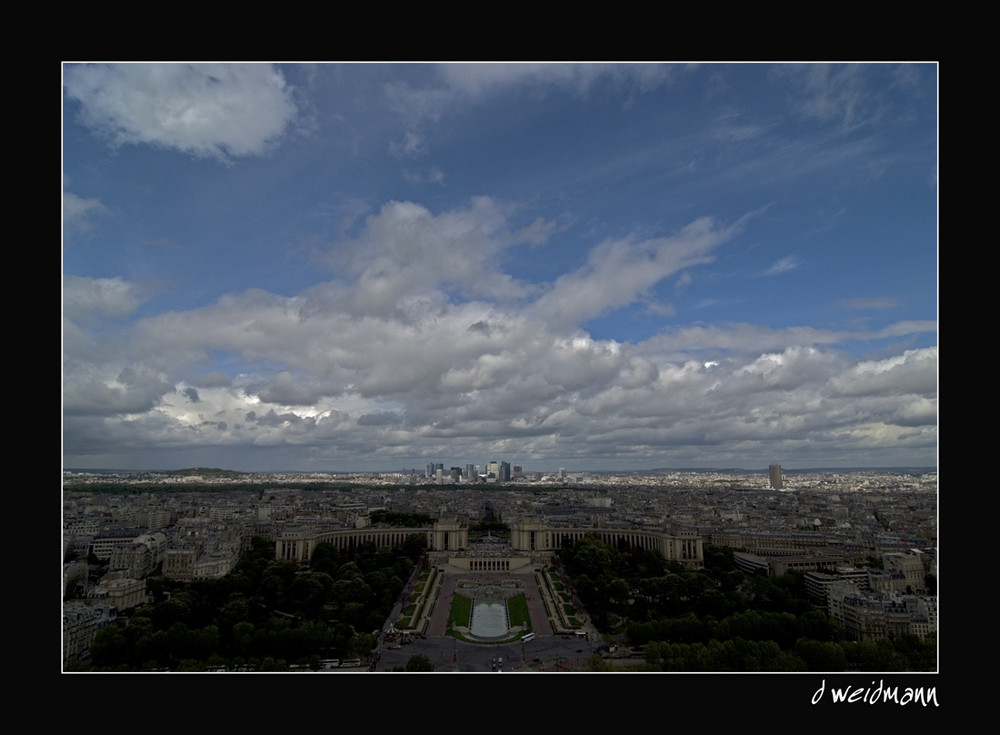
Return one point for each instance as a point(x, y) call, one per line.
point(527, 637)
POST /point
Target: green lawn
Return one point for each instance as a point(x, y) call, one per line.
point(461, 611)
point(517, 609)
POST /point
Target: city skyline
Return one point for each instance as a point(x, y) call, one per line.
point(527, 471)
point(355, 267)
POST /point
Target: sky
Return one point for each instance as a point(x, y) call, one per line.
point(372, 267)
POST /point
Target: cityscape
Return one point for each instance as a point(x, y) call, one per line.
point(859, 545)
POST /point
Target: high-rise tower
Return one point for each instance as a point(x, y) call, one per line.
point(504, 475)
point(777, 481)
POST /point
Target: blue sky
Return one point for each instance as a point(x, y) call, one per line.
point(376, 266)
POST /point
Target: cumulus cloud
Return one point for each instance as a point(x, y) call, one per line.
point(214, 380)
point(406, 250)
point(382, 418)
point(914, 372)
point(417, 349)
point(284, 389)
point(101, 391)
point(207, 110)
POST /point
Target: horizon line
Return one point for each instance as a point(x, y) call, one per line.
point(575, 472)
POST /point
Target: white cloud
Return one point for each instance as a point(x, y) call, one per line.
point(77, 212)
point(459, 84)
point(88, 299)
point(914, 372)
point(784, 265)
point(406, 250)
point(101, 391)
point(470, 82)
point(851, 95)
point(478, 80)
point(831, 91)
point(619, 272)
point(207, 110)
point(388, 357)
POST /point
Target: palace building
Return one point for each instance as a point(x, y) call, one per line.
point(530, 540)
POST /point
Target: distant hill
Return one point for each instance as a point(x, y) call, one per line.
point(205, 471)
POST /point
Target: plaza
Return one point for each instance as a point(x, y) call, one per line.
point(466, 648)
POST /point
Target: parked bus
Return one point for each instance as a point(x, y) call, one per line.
point(527, 637)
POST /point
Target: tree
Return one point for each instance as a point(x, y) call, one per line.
point(235, 611)
point(325, 558)
point(419, 662)
point(597, 663)
point(310, 590)
point(822, 656)
point(592, 557)
point(615, 590)
point(110, 647)
point(344, 591)
point(414, 546)
point(361, 645)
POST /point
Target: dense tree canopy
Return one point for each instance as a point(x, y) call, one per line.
point(718, 619)
point(266, 615)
